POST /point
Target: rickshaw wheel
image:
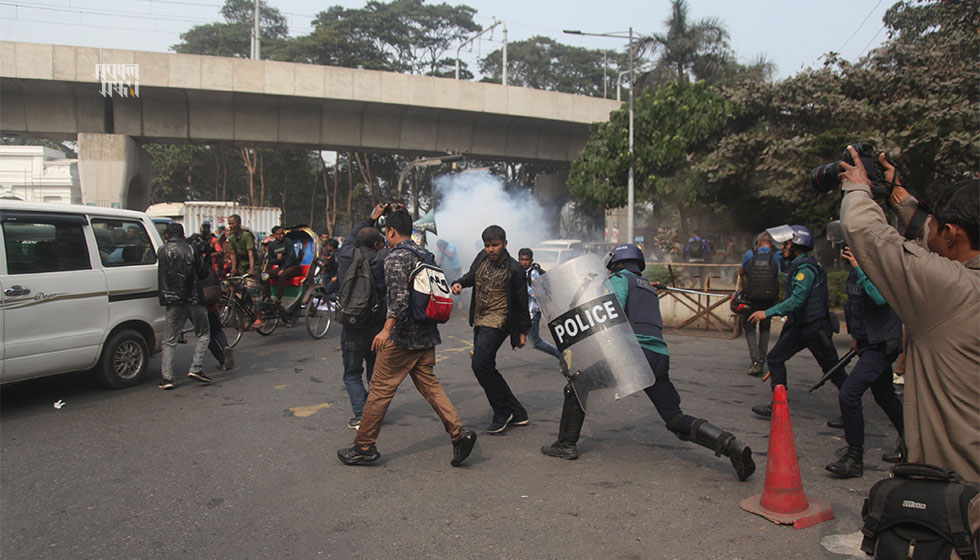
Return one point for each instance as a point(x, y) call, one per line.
point(318, 320)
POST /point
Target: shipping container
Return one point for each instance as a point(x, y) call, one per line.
point(192, 214)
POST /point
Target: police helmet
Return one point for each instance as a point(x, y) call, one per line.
point(798, 235)
point(835, 233)
point(626, 252)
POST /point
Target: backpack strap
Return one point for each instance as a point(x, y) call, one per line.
point(961, 538)
point(870, 529)
point(423, 255)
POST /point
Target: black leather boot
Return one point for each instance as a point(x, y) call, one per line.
point(850, 464)
point(572, 418)
point(708, 435)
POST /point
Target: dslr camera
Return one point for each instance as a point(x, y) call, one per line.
point(824, 178)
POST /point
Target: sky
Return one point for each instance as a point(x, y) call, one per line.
point(793, 34)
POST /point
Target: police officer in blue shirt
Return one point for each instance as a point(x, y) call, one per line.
point(642, 305)
point(807, 308)
point(760, 285)
point(877, 336)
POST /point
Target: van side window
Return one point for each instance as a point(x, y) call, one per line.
point(122, 243)
point(38, 246)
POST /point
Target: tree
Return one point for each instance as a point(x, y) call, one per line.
point(233, 37)
point(687, 48)
point(673, 124)
point(543, 63)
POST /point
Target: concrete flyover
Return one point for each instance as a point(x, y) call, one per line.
point(53, 91)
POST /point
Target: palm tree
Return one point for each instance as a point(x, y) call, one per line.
point(697, 48)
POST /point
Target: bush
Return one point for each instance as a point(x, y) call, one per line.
point(657, 274)
point(836, 286)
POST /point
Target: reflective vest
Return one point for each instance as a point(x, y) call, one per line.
point(817, 305)
point(867, 321)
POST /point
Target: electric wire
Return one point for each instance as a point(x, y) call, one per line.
point(865, 20)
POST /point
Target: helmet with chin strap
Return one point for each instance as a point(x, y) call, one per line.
point(624, 253)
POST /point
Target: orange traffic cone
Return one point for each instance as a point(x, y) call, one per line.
point(782, 499)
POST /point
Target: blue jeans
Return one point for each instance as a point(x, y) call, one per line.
point(535, 338)
point(358, 358)
point(486, 342)
point(872, 371)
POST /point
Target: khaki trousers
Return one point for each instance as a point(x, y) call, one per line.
point(393, 364)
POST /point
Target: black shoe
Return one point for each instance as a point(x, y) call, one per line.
point(560, 450)
point(520, 420)
point(199, 377)
point(499, 424)
point(896, 456)
point(763, 410)
point(836, 423)
point(462, 446)
point(850, 465)
point(166, 384)
point(741, 458)
point(356, 456)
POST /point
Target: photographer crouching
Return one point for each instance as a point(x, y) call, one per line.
point(930, 276)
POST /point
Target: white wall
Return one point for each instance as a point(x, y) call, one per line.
point(39, 174)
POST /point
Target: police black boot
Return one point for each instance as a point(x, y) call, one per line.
point(850, 464)
point(708, 435)
point(572, 418)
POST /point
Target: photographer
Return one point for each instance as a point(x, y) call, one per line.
point(934, 287)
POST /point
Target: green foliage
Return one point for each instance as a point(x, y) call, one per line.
point(657, 274)
point(233, 37)
point(543, 63)
point(837, 286)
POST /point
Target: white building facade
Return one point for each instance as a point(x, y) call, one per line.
point(39, 174)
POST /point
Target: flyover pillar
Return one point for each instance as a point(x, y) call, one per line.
point(114, 171)
point(551, 191)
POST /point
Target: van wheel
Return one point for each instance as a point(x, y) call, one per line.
point(123, 361)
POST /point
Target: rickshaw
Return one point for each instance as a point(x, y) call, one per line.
point(303, 296)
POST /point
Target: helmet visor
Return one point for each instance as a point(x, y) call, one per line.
point(781, 234)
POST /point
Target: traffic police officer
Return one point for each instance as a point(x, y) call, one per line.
point(877, 334)
point(807, 308)
point(639, 299)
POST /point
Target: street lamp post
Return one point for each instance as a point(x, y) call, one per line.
point(424, 162)
point(629, 188)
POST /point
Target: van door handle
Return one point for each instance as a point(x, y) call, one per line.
point(16, 291)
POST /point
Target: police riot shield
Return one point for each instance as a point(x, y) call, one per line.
point(584, 316)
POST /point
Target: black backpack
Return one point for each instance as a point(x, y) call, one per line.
point(697, 249)
point(918, 513)
point(357, 300)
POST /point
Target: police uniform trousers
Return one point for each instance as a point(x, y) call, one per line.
point(872, 371)
point(815, 337)
point(662, 394)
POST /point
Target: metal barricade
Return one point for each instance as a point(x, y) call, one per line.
point(696, 301)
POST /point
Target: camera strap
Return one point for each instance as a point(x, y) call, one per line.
point(918, 220)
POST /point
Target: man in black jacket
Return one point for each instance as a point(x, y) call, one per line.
point(178, 274)
point(355, 343)
point(498, 308)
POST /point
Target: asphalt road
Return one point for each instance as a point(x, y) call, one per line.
point(246, 468)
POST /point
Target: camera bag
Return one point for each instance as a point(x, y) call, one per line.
point(918, 513)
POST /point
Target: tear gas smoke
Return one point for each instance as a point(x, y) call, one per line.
point(474, 200)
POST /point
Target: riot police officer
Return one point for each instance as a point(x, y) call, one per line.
point(809, 323)
point(760, 280)
point(642, 306)
point(877, 336)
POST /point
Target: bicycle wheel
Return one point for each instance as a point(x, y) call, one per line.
point(319, 312)
point(237, 325)
point(268, 325)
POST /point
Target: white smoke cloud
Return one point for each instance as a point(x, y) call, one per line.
point(472, 201)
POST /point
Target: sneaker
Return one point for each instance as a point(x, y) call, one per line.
point(355, 455)
point(499, 424)
point(166, 384)
point(199, 377)
point(520, 419)
point(462, 446)
point(258, 324)
point(354, 423)
point(229, 359)
point(763, 410)
point(756, 369)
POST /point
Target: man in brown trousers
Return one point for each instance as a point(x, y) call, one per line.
point(405, 347)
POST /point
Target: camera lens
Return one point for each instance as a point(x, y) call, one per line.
point(824, 178)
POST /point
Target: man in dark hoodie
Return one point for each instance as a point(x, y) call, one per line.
point(355, 342)
point(498, 309)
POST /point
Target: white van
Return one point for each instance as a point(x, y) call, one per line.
point(79, 291)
